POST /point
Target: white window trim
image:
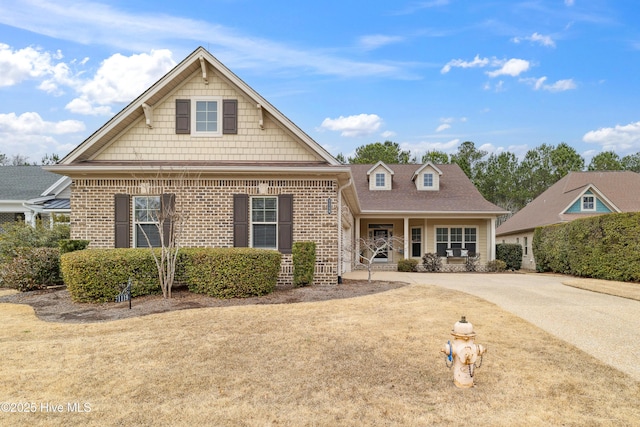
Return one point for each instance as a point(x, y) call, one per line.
point(421, 242)
point(384, 179)
point(449, 227)
point(424, 180)
point(583, 203)
point(194, 103)
point(135, 222)
point(251, 223)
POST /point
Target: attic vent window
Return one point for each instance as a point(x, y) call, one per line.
point(588, 203)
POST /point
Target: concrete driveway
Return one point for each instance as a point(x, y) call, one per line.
point(605, 326)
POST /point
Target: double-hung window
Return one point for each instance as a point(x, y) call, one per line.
point(427, 180)
point(206, 116)
point(264, 222)
point(416, 242)
point(146, 210)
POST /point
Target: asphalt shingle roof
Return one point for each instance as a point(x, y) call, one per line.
point(456, 194)
point(622, 188)
point(24, 182)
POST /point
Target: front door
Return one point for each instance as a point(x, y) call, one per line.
point(381, 235)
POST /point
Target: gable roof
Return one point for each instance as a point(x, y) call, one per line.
point(619, 189)
point(166, 85)
point(457, 193)
point(25, 182)
point(425, 166)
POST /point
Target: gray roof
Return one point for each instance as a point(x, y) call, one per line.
point(621, 188)
point(24, 182)
point(457, 194)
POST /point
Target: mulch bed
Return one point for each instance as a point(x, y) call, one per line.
point(55, 305)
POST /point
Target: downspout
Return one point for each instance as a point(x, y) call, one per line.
point(340, 248)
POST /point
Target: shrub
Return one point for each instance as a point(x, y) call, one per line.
point(304, 261)
point(231, 272)
point(603, 247)
point(432, 262)
point(471, 263)
point(68, 245)
point(31, 269)
point(21, 235)
point(408, 265)
point(511, 254)
point(98, 275)
point(496, 266)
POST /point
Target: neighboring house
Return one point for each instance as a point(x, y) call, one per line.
point(202, 140)
point(577, 195)
point(28, 193)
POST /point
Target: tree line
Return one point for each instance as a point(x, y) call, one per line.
point(502, 178)
point(20, 160)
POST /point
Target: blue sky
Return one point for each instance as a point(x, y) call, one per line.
point(508, 75)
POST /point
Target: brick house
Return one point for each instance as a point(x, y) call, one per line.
point(203, 140)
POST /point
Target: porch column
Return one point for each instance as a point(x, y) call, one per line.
point(356, 244)
point(492, 239)
point(407, 237)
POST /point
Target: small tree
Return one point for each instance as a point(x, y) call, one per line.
point(368, 249)
point(170, 221)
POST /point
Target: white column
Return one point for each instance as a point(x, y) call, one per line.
point(492, 239)
point(407, 237)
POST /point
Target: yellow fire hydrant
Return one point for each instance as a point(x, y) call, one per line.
point(463, 353)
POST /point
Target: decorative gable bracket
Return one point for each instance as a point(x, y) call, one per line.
point(203, 65)
point(148, 114)
point(261, 117)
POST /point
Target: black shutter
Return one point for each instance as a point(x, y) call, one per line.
point(168, 207)
point(240, 220)
point(285, 223)
point(183, 116)
point(122, 221)
point(230, 116)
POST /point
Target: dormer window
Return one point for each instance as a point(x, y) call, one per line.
point(427, 177)
point(588, 203)
point(380, 177)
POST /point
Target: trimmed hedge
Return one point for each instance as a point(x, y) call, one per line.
point(231, 272)
point(408, 265)
point(98, 275)
point(68, 245)
point(304, 261)
point(601, 247)
point(31, 269)
point(511, 254)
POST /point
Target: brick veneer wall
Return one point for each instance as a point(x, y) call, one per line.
point(209, 206)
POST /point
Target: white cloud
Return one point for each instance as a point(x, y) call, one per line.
point(119, 80)
point(558, 86)
point(459, 63)
point(375, 41)
point(569, 2)
point(443, 126)
point(32, 124)
point(353, 126)
point(388, 134)
point(29, 135)
point(29, 63)
point(102, 24)
point(537, 38)
point(620, 138)
point(513, 67)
